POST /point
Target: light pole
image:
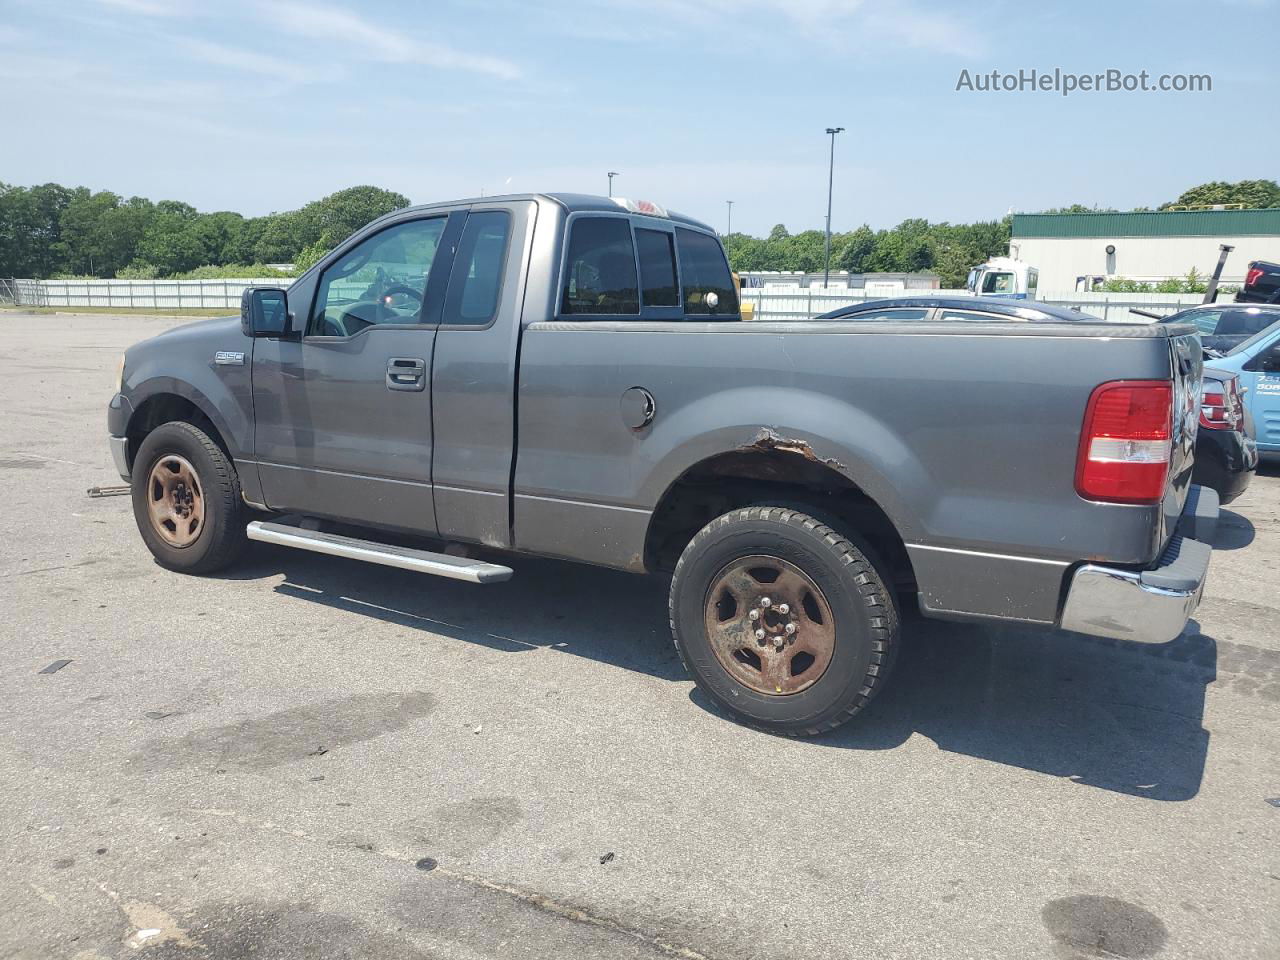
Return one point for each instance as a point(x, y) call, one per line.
point(831, 173)
point(611, 175)
point(728, 230)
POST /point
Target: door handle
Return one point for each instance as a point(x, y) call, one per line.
point(406, 373)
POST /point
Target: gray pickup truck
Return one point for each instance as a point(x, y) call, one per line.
point(569, 376)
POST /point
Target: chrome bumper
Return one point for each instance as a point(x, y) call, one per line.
point(1148, 606)
point(120, 454)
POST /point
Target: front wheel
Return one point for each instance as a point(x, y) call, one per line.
point(782, 620)
point(186, 500)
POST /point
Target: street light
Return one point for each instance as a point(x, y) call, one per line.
point(831, 173)
point(728, 230)
point(612, 174)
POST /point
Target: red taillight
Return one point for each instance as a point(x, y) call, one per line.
point(1253, 276)
point(1125, 442)
point(1220, 406)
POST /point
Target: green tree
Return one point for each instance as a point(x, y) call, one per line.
point(99, 235)
point(1252, 193)
point(849, 251)
point(30, 227)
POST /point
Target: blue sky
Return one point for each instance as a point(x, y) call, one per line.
point(263, 106)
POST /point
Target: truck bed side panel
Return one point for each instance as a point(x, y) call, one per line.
point(967, 441)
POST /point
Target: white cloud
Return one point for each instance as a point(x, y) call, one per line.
point(895, 21)
point(147, 8)
point(246, 61)
point(358, 35)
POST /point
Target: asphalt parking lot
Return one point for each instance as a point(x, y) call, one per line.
point(309, 757)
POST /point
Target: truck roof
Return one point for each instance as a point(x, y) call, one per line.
point(571, 202)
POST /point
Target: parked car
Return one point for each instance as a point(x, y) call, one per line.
point(1256, 362)
point(963, 309)
point(1261, 283)
point(1223, 325)
point(567, 376)
point(1226, 452)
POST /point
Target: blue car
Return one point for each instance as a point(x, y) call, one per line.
point(1256, 361)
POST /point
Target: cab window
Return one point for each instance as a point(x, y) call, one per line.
point(381, 280)
point(601, 274)
point(477, 269)
point(708, 286)
point(657, 268)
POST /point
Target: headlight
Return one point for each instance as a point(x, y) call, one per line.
point(120, 376)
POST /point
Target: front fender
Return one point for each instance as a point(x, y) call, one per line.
point(206, 363)
point(230, 419)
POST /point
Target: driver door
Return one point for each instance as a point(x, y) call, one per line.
point(343, 411)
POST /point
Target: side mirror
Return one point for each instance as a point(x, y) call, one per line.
point(264, 312)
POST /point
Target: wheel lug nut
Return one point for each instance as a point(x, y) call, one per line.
point(791, 628)
point(766, 602)
point(753, 615)
point(784, 608)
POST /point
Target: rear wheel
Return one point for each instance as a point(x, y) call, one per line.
point(782, 620)
point(186, 500)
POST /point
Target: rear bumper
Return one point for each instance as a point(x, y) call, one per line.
point(1147, 606)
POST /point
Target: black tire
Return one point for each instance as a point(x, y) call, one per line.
point(864, 611)
point(221, 537)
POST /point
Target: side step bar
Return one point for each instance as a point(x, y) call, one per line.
point(406, 558)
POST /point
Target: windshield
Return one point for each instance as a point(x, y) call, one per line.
point(997, 283)
point(1244, 346)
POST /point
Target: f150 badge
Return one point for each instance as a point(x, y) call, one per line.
point(229, 358)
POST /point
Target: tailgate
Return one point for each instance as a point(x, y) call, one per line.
point(1187, 362)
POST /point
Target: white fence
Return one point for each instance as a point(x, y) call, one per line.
point(797, 303)
point(771, 303)
point(149, 294)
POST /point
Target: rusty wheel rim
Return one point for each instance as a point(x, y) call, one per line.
point(175, 501)
point(769, 625)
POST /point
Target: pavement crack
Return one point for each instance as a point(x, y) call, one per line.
point(531, 898)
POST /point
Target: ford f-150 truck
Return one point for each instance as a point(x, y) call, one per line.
point(569, 376)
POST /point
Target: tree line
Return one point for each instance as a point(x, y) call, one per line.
point(913, 246)
point(51, 230)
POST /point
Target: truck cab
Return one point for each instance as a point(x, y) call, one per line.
point(1004, 277)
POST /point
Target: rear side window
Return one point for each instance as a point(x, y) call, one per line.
point(1244, 321)
point(1206, 321)
point(657, 268)
point(601, 278)
point(704, 271)
point(477, 269)
point(890, 315)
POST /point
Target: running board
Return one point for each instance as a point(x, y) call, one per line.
point(370, 551)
